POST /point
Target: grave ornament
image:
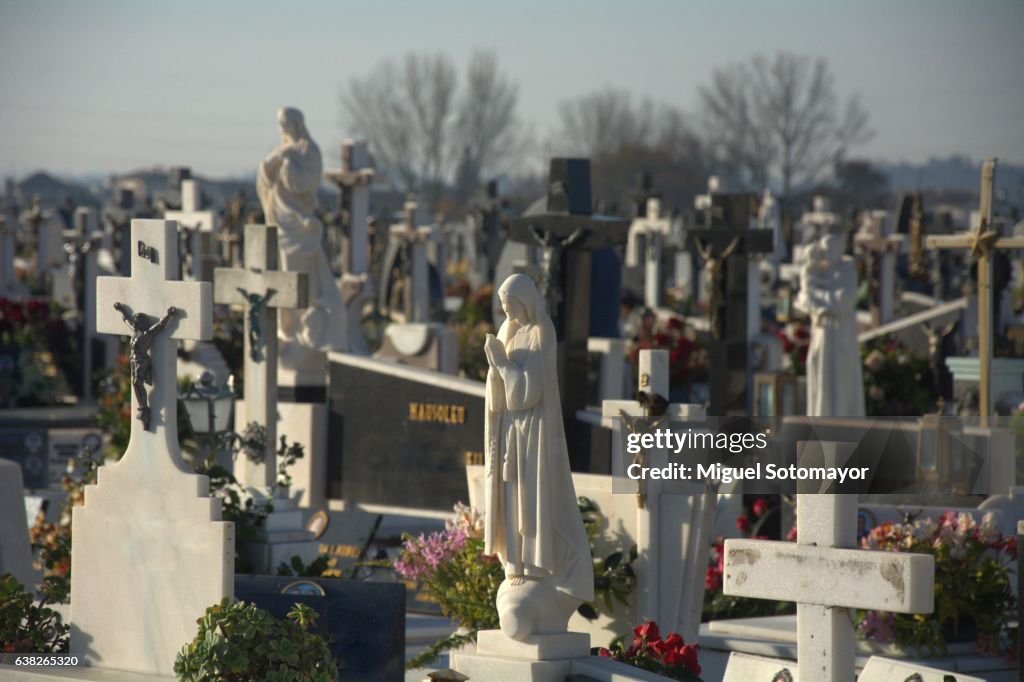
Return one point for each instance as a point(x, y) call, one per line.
point(144, 332)
point(713, 271)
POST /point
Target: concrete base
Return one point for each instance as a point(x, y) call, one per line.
point(283, 537)
point(538, 647)
point(306, 423)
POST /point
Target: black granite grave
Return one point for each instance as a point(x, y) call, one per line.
point(26, 435)
point(363, 622)
point(401, 436)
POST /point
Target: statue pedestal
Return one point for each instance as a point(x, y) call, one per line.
point(541, 658)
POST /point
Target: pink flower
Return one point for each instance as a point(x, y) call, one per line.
point(743, 523)
point(760, 506)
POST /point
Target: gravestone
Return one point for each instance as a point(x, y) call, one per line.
point(151, 552)
point(399, 435)
point(196, 229)
point(15, 549)
point(727, 243)
point(566, 230)
point(363, 622)
point(825, 575)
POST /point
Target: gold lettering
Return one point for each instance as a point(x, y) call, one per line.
point(437, 412)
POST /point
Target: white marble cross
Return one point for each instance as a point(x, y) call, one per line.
point(199, 226)
point(262, 288)
point(418, 294)
point(657, 227)
point(826, 576)
point(674, 518)
point(353, 181)
point(151, 552)
point(874, 239)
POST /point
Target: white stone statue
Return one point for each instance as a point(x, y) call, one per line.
point(828, 293)
point(532, 519)
point(287, 183)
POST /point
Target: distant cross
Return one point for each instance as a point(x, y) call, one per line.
point(884, 247)
point(827, 576)
point(8, 252)
point(674, 600)
point(157, 310)
point(655, 226)
point(982, 241)
point(353, 182)
point(199, 226)
point(263, 289)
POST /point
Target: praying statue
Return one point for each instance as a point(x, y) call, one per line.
point(532, 520)
point(144, 332)
point(828, 293)
point(287, 183)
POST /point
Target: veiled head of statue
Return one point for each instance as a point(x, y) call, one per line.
point(292, 123)
point(520, 299)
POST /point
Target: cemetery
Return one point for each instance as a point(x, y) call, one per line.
point(701, 387)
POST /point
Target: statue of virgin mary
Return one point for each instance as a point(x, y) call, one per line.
point(532, 519)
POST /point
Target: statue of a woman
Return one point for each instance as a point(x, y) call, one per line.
point(532, 519)
point(828, 293)
point(287, 183)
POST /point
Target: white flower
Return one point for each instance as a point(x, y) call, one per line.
point(965, 522)
point(988, 530)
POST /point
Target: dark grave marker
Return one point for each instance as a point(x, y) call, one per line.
point(725, 244)
point(42, 439)
point(363, 622)
point(401, 436)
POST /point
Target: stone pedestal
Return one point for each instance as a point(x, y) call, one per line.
point(542, 658)
point(305, 422)
point(283, 536)
point(425, 345)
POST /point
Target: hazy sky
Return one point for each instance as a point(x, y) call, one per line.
point(105, 86)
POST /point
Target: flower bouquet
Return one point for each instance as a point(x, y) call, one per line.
point(670, 657)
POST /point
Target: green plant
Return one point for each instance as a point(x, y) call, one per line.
point(26, 627)
point(298, 569)
point(238, 642)
point(670, 657)
point(614, 577)
point(972, 584)
point(897, 380)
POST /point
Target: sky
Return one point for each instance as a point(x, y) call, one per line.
point(104, 86)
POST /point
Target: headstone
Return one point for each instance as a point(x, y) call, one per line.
point(142, 579)
point(15, 549)
point(879, 669)
point(727, 244)
point(400, 436)
point(197, 228)
point(566, 229)
point(825, 575)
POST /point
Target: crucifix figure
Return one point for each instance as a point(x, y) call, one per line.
point(982, 242)
point(714, 266)
point(197, 228)
point(144, 333)
point(553, 247)
point(242, 286)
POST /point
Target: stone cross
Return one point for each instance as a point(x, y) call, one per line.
point(262, 288)
point(727, 243)
point(875, 241)
point(982, 241)
point(151, 552)
point(353, 183)
point(674, 519)
point(198, 227)
point(655, 226)
point(826, 575)
point(417, 284)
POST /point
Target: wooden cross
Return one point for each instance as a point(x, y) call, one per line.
point(148, 296)
point(199, 226)
point(263, 289)
point(826, 576)
point(982, 241)
point(672, 516)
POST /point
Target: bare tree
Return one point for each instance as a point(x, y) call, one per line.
point(420, 126)
point(779, 117)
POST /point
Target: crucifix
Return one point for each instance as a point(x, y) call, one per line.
point(872, 238)
point(262, 288)
point(982, 242)
point(157, 310)
point(197, 228)
point(674, 518)
point(353, 182)
point(414, 281)
point(825, 575)
point(729, 245)
point(654, 226)
point(567, 230)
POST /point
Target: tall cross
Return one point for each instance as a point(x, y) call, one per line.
point(155, 310)
point(875, 241)
point(982, 241)
point(262, 288)
point(198, 227)
point(826, 576)
point(353, 182)
point(672, 516)
point(655, 226)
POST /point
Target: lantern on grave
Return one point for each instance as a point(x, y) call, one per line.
point(209, 407)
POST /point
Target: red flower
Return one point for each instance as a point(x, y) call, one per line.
point(713, 578)
point(760, 506)
point(675, 323)
point(662, 340)
point(648, 631)
point(674, 640)
point(743, 523)
point(604, 653)
point(690, 658)
point(1010, 545)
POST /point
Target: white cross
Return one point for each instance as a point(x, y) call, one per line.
point(200, 226)
point(876, 241)
point(826, 576)
point(263, 289)
point(418, 295)
point(674, 598)
point(152, 291)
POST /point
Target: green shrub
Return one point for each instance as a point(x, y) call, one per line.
point(26, 627)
